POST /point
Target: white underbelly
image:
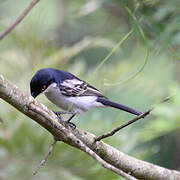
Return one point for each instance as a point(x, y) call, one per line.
point(73, 104)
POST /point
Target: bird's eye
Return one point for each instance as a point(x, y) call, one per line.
point(43, 87)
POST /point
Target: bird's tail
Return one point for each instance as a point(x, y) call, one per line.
point(106, 102)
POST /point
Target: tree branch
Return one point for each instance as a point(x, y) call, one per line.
point(19, 19)
point(45, 157)
point(111, 133)
point(105, 154)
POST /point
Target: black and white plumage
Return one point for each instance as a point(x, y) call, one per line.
point(70, 93)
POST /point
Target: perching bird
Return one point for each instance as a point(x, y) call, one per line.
point(70, 93)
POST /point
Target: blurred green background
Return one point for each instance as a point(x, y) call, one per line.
point(77, 36)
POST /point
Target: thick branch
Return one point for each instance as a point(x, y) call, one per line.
point(103, 153)
point(19, 19)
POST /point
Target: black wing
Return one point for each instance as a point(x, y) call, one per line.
point(76, 87)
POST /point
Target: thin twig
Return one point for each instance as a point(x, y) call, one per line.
point(111, 133)
point(45, 157)
point(19, 19)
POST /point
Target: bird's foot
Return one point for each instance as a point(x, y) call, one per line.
point(58, 114)
point(72, 125)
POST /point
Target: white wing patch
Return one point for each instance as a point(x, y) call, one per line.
point(72, 83)
point(75, 87)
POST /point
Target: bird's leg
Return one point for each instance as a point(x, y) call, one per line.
point(59, 113)
point(70, 118)
point(70, 123)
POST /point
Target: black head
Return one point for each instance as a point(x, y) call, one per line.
point(41, 80)
point(45, 77)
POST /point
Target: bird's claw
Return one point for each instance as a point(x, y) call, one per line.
point(72, 125)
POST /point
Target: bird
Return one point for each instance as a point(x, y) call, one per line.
point(71, 94)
